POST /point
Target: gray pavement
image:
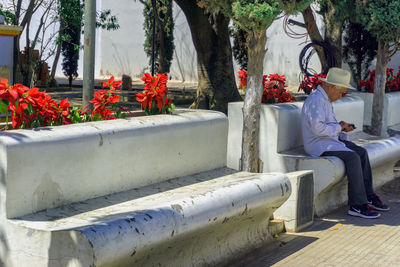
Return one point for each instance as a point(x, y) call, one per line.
point(338, 240)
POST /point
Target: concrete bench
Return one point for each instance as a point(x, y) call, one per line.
point(281, 148)
point(133, 192)
point(391, 117)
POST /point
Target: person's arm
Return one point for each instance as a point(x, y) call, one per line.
point(315, 116)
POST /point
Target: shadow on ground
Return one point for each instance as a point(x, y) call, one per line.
point(275, 251)
point(290, 248)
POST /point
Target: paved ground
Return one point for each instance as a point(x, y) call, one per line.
point(339, 240)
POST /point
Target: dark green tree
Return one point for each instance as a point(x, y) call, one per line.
point(164, 33)
point(69, 38)
point(9, 17)
point(71, 13)
point(382, 20)
point(239, 46)
point(359, 50)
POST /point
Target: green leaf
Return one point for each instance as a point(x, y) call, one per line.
point(3, 107)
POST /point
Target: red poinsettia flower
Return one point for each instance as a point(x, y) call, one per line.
point(101, 100)
point(277, 77)
point(274, 90)
point(9, 92)
point(111, 83)
point(154, 97)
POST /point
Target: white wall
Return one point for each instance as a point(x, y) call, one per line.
point(6, 54)
point(121, 52)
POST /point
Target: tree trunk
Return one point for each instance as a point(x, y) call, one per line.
point(378, 123)
point(210, 34)
point(333, 33)
point(164, 63)
point(162, 60)
point(357, 76)
point(252, 102)
point(56, 59)
point(315, 35)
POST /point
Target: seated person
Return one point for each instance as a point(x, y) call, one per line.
point(324, 136)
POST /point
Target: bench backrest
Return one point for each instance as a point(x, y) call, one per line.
point(280, 126)
point(285, 121)
point(49, 167)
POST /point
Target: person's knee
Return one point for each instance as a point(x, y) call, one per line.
point(353, 158)
point(362, 152)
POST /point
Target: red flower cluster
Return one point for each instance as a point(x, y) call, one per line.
point(310, 83)
point(154, 98)
point(392, 81)
point(274, 90)
point(31, 108)
point(103, 98)
point(242, 74)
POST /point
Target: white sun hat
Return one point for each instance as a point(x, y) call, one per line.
point(339, 77)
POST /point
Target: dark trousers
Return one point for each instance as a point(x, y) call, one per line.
point(358, 170)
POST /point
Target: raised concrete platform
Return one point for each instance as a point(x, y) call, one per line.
point(140, 191)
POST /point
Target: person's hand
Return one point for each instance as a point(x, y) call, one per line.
point(347, 127)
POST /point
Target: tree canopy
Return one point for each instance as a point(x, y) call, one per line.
point(254, 15)
point(381, 18)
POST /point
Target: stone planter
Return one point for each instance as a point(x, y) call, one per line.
point(143, 150)
point(390, 113)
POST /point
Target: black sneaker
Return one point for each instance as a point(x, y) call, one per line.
point(363, 211)
point(376, 203)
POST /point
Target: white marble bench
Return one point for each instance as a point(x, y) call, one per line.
point(281, 148)
point(133, 192)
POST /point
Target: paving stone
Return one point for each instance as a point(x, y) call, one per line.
point(338, 240)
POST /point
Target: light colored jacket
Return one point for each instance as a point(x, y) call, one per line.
point(319, 126)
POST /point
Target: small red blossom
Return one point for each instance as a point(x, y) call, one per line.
point(242, 74)
point(311, 83)
point(111, 83)
point(274, 90)
point(392, 81)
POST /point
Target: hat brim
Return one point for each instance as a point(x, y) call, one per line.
point(338, 84)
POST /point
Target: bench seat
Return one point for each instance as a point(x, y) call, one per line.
point(383, 154)
point(187, 221)
point(281, 148)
